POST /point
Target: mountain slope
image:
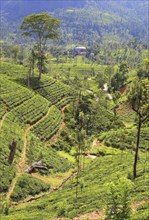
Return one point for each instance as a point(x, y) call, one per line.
point(122, 20)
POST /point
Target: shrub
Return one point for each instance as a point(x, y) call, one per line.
point(118, 200)
point(26, 186)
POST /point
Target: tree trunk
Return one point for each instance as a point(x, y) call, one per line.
point(40, 67)
point(12, 148)
point(28, 78)
point(137, 149)
point(39, 58)
point(78, 169)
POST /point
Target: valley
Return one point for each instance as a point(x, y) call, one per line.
point(74, 128)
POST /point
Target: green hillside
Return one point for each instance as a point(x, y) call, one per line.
point(31, 119)
point(24, 114)
point(74, 110)
point(82, 22)
point(92, 196)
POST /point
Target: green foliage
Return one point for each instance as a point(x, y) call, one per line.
point(93, 196)
point(3, 108)
point(50, 158)
point(41, 27)
point(118, 199)
point(90, 109)
point(142, 212)
point(119, 78)
point(7, 173)
point(13, 99)
point(138, 97)
point(124, 138)
point(13, 70)
point(23, 106)
point(47, 127)
point(27, 185)
point(100, 22)
point(55, 92)
point(11, 131)
point(31, 110)
point(5, 207)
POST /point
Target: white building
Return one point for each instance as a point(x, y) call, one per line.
point(80, 50)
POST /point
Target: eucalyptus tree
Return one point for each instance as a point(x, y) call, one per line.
point(138, 97)
point(40, 27)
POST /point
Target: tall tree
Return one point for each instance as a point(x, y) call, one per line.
point(41, 27)
point(138, 97)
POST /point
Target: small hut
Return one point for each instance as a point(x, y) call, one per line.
point(80, 50)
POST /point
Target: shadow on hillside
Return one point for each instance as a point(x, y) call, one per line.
point(34, 82)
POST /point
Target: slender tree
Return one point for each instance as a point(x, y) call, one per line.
point(138, 97)
point(40, 27)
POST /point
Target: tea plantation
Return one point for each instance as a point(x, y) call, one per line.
point(42, 126)
point(74, 110)
point(25, 116)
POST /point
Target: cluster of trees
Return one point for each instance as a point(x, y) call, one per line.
point(16, 53)
point(111, 53)
point(108, 25)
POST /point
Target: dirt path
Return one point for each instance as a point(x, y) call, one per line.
point(95, 143)
point(22, 165)
point(12, 186)
point(3, 118)
point(96, 215)
point(136, 205)
point(100, 214)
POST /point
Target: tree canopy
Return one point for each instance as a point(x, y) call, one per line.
point(41, 27)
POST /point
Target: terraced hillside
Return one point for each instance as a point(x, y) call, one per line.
point(54, 91)
point(49, 125)
point(32, 119)
point(26, 115)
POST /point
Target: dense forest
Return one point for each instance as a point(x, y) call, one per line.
point(74, 116)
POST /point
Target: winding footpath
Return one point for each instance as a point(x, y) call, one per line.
point(22, 165)
point(3, 118)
